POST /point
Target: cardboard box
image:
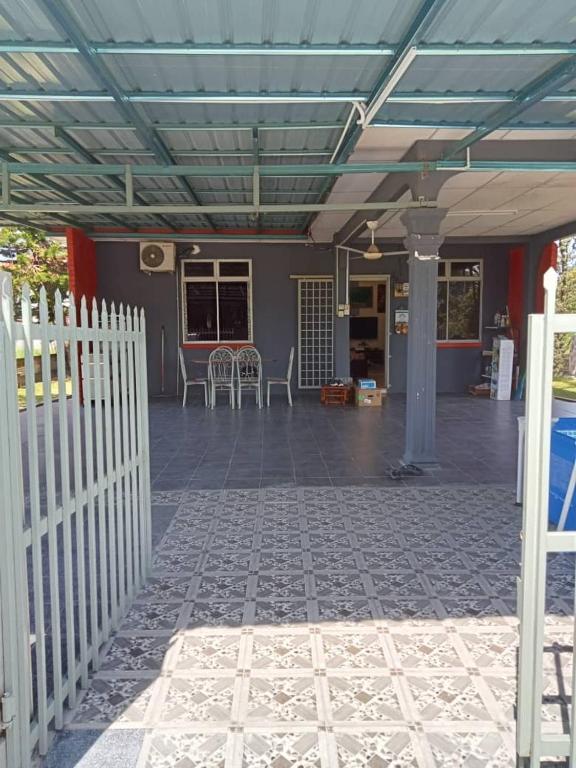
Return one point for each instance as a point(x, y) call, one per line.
point(368, 398)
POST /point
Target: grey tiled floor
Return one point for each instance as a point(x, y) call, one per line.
point(295, 622)
point(326, 627)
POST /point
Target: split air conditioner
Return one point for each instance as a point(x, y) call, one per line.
point(157, 257)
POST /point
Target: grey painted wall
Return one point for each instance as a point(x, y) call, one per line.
point(275, 304)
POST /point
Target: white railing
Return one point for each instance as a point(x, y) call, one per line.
point(533, 742)
point(75, 530)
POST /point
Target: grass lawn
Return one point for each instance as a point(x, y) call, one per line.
point(39, 391)
point(565, 387)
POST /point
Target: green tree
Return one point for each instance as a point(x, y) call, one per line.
point(565, 302)
point(40, 261)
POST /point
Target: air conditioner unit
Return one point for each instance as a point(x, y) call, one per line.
point(157, 257)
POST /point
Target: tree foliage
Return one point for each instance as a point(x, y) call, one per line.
point(39, 261)
point(565, 302)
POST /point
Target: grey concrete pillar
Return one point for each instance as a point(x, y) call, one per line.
point(423, 243)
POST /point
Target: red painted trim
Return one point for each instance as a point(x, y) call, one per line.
point(458, 344)
point(81, 265)
point(548, 258)
point(516, 286)
point(214, 345)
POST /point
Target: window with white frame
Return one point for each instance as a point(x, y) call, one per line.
point(459, 300)
point(216, 300)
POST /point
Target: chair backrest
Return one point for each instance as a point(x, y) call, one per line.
point(183, 365)
point(221, 364)
point(249, 364)
point(290, 364)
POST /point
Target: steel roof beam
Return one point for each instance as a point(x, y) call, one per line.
point(203, 97)
point(440, 125)
point(57, 14)
point(296, 171)
point(536, 91)
point(167, 127)
point(182, 97)
point(286, 49)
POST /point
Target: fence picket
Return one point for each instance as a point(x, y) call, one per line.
point(50, 474)
point(145, 448)
point(99, 494)
point(133, 451)
point(100, 476)
point(78, 491)
point(126, 456)
point(117, 407)
point(109, 468)
point(65, 492)
point(36, 518)
point(14, 608)
point(91, 506)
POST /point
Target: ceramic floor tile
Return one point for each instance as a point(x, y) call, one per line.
point(447, 698)
point(151, 616)
point(281, 699)
point(114, 702)
point(345, 612)
point(353, 650)
point(127, 654)
point(212, 613)
point(186, 750)
point(493, 649)
point(281, 585)
point(281, 651)
point(425, 650)
point(198, 700)
point(365, 698)
point(270, 749)
point(205, 653)
point(279, 612)
point(481, 750)
point(373, 749)
point(230, 587)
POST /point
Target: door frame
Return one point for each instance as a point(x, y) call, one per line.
point(372, 278)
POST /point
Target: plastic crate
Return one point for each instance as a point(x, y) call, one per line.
point(562, 458)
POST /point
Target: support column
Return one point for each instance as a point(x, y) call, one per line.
point(423, 243)
point(81, 265)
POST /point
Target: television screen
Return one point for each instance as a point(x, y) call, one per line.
point(363, 327)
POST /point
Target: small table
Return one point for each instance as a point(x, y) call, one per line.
point(336, 395)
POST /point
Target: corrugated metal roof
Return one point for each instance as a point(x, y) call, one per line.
point(258, 22)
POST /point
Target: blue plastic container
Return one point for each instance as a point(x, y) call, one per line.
point(562, 458)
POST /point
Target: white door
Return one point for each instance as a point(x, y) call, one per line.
point(315, 332)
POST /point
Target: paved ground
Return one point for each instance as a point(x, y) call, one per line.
point(294, 622)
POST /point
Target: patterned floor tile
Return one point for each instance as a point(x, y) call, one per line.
point(137, 654)
point(213, 613)
point(361, 699)
point(456, 584)
point(166, 588)
point(371, 749)
point(281, 699)
point(493, 649)
point(176, 563)
point(339, 585)
point(238, 562)
point(281, 561)
point(387, 560)
point(151, 616)
point(345, 612)
point(333, 561)
point(222, 587)
point(447, 698)
point(281, 651)
point(118, 702)
point(278, 612)
point(198, 700)
point(425, 650)
point(281, 585)
point(281, 541)
point(271, 749)
point(186, 750)
point(408, 611)
point(481, 750)
point(206, 653)
point(353, 650)
point(400, 584)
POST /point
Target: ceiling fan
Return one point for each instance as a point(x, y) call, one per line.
point(373, 252)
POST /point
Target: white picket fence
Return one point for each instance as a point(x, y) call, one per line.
point(75, 529)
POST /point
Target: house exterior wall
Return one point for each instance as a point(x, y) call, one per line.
point(275, 304)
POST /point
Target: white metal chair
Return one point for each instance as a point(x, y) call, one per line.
point(221, 373)
point(284, 382)
point(189, 382)
point(249, 373)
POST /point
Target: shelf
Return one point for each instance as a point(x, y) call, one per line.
point(497, 327)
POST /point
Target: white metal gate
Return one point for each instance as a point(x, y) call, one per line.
point(315, 332)
point(533, 742)
point(75, 532)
